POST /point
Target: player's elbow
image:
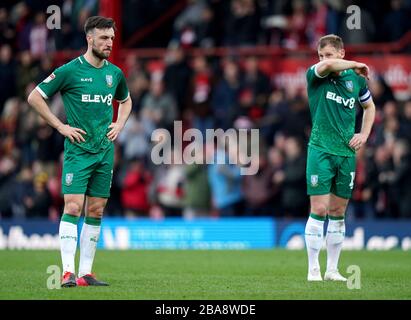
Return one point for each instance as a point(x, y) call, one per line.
point(30, 98)
point(325, 66)
point(33, 97)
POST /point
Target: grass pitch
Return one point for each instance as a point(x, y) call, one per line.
point(208, 275)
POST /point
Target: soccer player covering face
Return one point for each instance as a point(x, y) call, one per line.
point(88, 84)
point(334, 86)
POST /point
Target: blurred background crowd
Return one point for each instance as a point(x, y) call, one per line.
point(204, 92)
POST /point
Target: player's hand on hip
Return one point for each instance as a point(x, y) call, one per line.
point(74, 134)
point(362, 70)
point(115, 130)
point(358, 140)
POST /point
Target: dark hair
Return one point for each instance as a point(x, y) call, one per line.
point(99, 22)
point(332, 40)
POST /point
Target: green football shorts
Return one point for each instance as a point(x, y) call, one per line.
point(327, 173)
point(87, 173)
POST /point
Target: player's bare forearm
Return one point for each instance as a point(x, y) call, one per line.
point(368, 118)
point(359, 139)
point(124, 110)
point(336, 65)
point(39, 104)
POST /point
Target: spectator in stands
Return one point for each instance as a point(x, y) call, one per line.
point(242, 23)
point(136, 184)
point(317, 22)
point(225, 180)
point(360, 205)
point(276, 163)
point(7, 32)
point(402, 177)
point(22, 189)
point(259, 190)
point(225, 96)
point(26, 126)
point(380, 177)
point(38, 36)
point(38, 204)
point(20, 17)
point(396, 22)
point(277, 110)
point(158, 108)
point(193, 26)
point(388, 132)
point(138, 84)
point(405, 122)
point(133, 139)
point(8, 170)
point(197, 193)
point(200, 94)
point(298, 120)
point(177, 75)
point(26, 73)
point(49, 143)
point(7, 75)
point(54, 187)
point(45, 68)
point(9, 119)
point(381, 92)
point(79, 10)
point(256, 81)
point(292, 179)
point(296, 31)
point(167, 189)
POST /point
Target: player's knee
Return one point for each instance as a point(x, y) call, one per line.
point(96, 211)
point(319, 209)
point(72, 208)
point(337, 211)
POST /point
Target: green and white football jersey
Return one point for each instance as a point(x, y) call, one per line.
point(332, 100)
point(87, 94)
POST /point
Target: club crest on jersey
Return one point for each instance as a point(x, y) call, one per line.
point(109, 80)
point(49, 78)
point(349, 85)
point(69, 178)
point(314, 180)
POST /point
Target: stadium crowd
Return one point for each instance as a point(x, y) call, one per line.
point(203, 92)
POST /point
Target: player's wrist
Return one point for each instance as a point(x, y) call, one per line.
point(120, 123)
point(357, 64)
point(59, 127)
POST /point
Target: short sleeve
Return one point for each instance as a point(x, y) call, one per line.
point(122, 92)
point(54, 83)
point(364, 93)
point(312, 74)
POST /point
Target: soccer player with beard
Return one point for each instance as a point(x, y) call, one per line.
point(88, 84)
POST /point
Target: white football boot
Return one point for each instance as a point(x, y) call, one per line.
point(334, 275)
point(314, 275)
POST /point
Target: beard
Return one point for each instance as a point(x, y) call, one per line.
point(100, 54)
